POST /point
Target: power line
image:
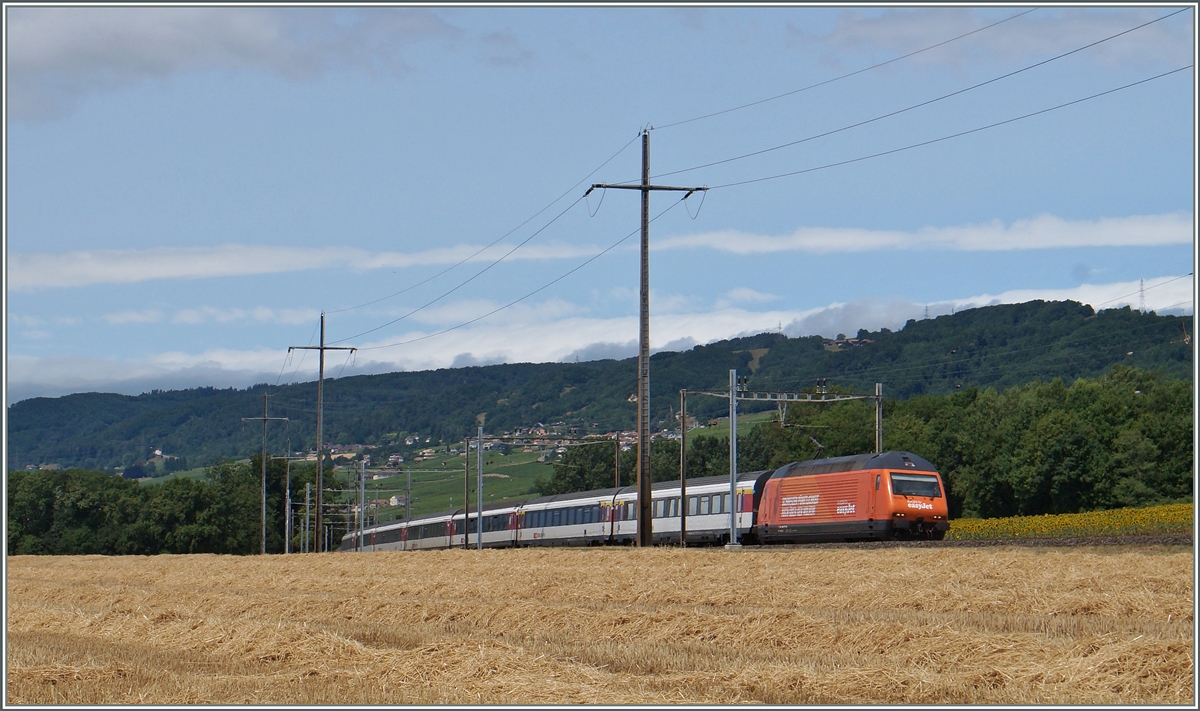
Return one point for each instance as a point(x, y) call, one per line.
point(461, 284)
point(953, 135)
point(916, 106)
point(568, 191)
point(541, 288)
point(1097, 306)
point(844, 76)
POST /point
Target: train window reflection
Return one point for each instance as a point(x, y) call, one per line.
point(915, 485)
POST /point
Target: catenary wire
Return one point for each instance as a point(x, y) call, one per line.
point(946, 138)
point(914, 106)
point(463, 283)
point(498, 240)
point(541, 288)
point(843, 76)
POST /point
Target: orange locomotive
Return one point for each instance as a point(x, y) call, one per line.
point(861, 497)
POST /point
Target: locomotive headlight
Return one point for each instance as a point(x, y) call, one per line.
point(899, 514)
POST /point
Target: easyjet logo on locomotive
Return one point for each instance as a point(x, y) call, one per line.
point(919, 505)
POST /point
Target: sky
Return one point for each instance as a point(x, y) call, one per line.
point(187, 188)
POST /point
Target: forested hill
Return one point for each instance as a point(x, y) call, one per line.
point(995, 346)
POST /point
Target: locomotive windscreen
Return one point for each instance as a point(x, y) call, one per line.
point(915, 485)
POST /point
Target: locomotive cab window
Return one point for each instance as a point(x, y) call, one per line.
point(915, 485)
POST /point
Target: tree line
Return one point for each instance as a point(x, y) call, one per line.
point(81, 512)
point(1123, 439)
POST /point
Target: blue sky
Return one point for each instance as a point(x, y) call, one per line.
point(187, 188)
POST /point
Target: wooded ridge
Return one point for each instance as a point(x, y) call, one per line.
point(989, 347)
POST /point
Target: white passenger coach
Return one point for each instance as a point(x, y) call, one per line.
point(590, 518)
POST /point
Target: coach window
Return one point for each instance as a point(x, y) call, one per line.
point(692, 504)
point(728, 503)
point(716, 504)
point(555, 517)
point(704, 505)
point(674, 507)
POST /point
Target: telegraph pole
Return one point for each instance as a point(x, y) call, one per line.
point(734, 387)
point(479, 492)
point(265, 420)
point(645, 533)
point(320, 392)
point(683, 469)
point(617, 464)
point(466, 490)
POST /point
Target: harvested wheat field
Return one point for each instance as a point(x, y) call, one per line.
point(658, 626)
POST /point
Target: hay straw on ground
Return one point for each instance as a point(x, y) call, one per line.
point(657, 626)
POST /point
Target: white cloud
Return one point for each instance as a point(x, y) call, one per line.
point(744, 295)
point(1042, 232)
point(261, 314)
point(32, 271)
point(535, 334)
point(56, 55)
point(147, 316)
point(1163, 294)
point(1038, 35)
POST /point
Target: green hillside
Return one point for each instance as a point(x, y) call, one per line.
point(995, 346)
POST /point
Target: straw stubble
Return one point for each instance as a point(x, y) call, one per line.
point(657, 626)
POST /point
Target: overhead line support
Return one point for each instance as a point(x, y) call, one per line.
point(320, 394)
point(644, 517)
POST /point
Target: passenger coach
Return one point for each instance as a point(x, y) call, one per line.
point(862, 497)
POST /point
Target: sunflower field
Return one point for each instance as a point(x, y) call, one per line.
point(1156, 520)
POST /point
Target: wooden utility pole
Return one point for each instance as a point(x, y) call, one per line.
point(683, 468)
point(617, 465)
point(265, 420)
point(320, 402)
point(645, 533)
point(466, 489)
